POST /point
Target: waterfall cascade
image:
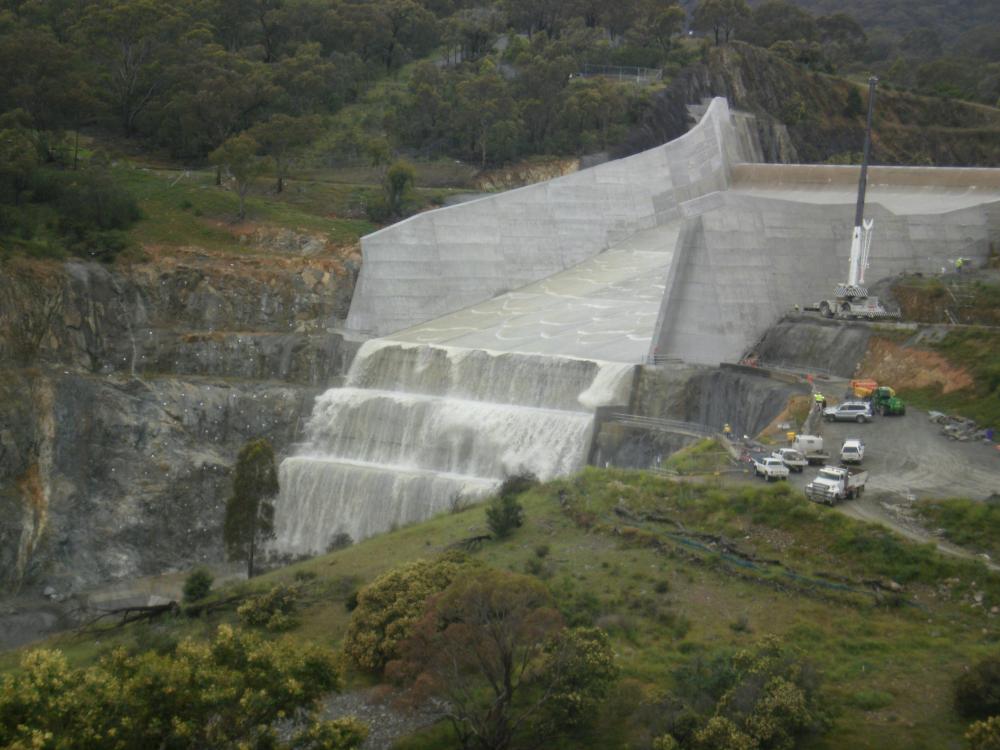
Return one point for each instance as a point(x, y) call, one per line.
point(418, 426)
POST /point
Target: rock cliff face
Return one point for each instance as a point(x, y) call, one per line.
point(126, 392)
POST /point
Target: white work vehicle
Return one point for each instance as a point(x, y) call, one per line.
point(836, 483)
point(770, 468)
point(811, 446)
point(793, 459)
point(852, 452)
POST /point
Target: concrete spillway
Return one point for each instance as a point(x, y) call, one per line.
point(419, 427)
point(509, 320)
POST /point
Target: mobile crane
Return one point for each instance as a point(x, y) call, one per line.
point(852, 299)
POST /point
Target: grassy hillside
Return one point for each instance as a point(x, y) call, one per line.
point(680, 572)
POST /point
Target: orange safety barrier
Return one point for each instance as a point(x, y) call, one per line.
point(863, 388)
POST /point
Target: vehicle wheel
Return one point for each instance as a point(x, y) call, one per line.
point(850, 494)
point(861, 418)
point(824, 309)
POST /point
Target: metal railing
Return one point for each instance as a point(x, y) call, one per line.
point(623, 72)
point(666, 425)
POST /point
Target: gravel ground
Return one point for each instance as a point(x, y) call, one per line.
point(386, 721)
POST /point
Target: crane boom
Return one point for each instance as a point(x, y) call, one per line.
point(852, 299)
point(861, 238)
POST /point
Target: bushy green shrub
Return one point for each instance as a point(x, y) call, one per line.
point(387, 608)
point(233, 691)
point(504, 513)
point(984, 735)
point(197, 585)
point(977, 691)
point(273, 610)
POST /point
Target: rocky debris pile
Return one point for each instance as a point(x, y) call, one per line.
point(961, 428)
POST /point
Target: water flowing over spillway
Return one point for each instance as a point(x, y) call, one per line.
point(419, 427)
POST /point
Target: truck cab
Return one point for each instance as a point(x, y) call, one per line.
point(836, 483)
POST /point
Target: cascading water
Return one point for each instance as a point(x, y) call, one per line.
point(418, 426)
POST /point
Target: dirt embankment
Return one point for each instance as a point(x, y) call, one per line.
point(969, 298)
point(909, 368)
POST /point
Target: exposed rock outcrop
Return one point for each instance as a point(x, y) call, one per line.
point(800, 115)
point(128, 390)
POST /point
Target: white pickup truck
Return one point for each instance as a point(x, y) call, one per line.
point(769, 467)
point(852, 452)
point(811, 446)
point(791, 458)
point(836, 483)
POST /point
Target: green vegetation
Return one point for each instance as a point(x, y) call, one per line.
point(273, 610)
point(978, 351)
point(250, 509)
point(493, 646)
point(197, 585)
point(704, 457)
point(977, 691)
point(968, 523)
point(387, 608)
point(233, 691)
point(504, 513)
point(683, 577)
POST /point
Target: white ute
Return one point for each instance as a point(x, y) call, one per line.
point(852, 452)
point(770, 468)
point(791, 458)
point(836, 483)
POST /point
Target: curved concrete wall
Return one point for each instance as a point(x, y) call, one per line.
point(444, 260)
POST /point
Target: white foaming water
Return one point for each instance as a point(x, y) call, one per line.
point(419, 426)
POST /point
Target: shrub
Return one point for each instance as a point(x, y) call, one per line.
point(387, 608)
point(197, 585)
point(977, 691)
point(542, 550)
point(234, 691)
point(340, 540)
point(503, 515)
point(984, 735)
point(274, 610)
point(740, 625)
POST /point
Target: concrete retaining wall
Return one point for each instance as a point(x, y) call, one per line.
point(744, 261)
point(444, 260)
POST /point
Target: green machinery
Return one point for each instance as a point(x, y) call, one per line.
point(886, 402)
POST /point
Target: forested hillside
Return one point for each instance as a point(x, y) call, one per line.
point(259, 89)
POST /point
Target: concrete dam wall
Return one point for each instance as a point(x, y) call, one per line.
point(441, 261)
point(508, 321)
